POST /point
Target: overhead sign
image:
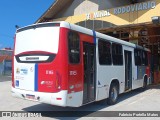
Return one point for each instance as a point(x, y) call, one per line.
point(98, 14)
point(135, 7)
point(122, 10)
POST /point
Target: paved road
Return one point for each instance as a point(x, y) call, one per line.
point(148, 100)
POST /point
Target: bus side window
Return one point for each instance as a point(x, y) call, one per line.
point(74, 47)
point(144, 58)
point(137, 57)
point(104, 49)
point(117, 55)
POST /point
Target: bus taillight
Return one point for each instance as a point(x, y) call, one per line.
point(58, 81)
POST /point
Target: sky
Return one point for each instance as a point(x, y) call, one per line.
point(21, 13)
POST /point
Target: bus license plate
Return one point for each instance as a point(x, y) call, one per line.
point(31, 97)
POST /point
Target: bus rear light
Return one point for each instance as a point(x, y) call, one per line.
point(58, 81)
point(57, 84)
point(148, 71)
point(58, 98)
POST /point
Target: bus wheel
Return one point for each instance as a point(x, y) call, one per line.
point(113, 94)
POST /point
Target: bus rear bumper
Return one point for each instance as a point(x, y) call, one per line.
point(59, 99)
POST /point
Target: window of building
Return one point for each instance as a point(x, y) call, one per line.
point(74, 47)
point(104, 49)
point(117, 54)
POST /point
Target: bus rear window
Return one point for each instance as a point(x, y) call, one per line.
point(42, 39)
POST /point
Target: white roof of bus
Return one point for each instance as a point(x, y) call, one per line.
point(103, 36)
point(90, 32)
point(98, 35)
point(112, 39)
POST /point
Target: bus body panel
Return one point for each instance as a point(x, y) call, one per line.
point(42, 70)
point(24, 76)
point(59, 98)
point(41, 76)
point(76, 72)
point(30, 47)
point(75, 99)
point(105, 79)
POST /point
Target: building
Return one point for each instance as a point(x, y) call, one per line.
point(5, 61)
point(135, 21)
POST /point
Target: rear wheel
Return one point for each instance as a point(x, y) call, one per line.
point(113, 94)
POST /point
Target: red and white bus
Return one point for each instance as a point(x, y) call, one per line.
point(63, 64)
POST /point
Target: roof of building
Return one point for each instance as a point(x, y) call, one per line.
point(57, 6)
point(5, 57)
point(7, 49)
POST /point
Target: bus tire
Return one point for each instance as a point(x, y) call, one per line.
point(113, 94)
